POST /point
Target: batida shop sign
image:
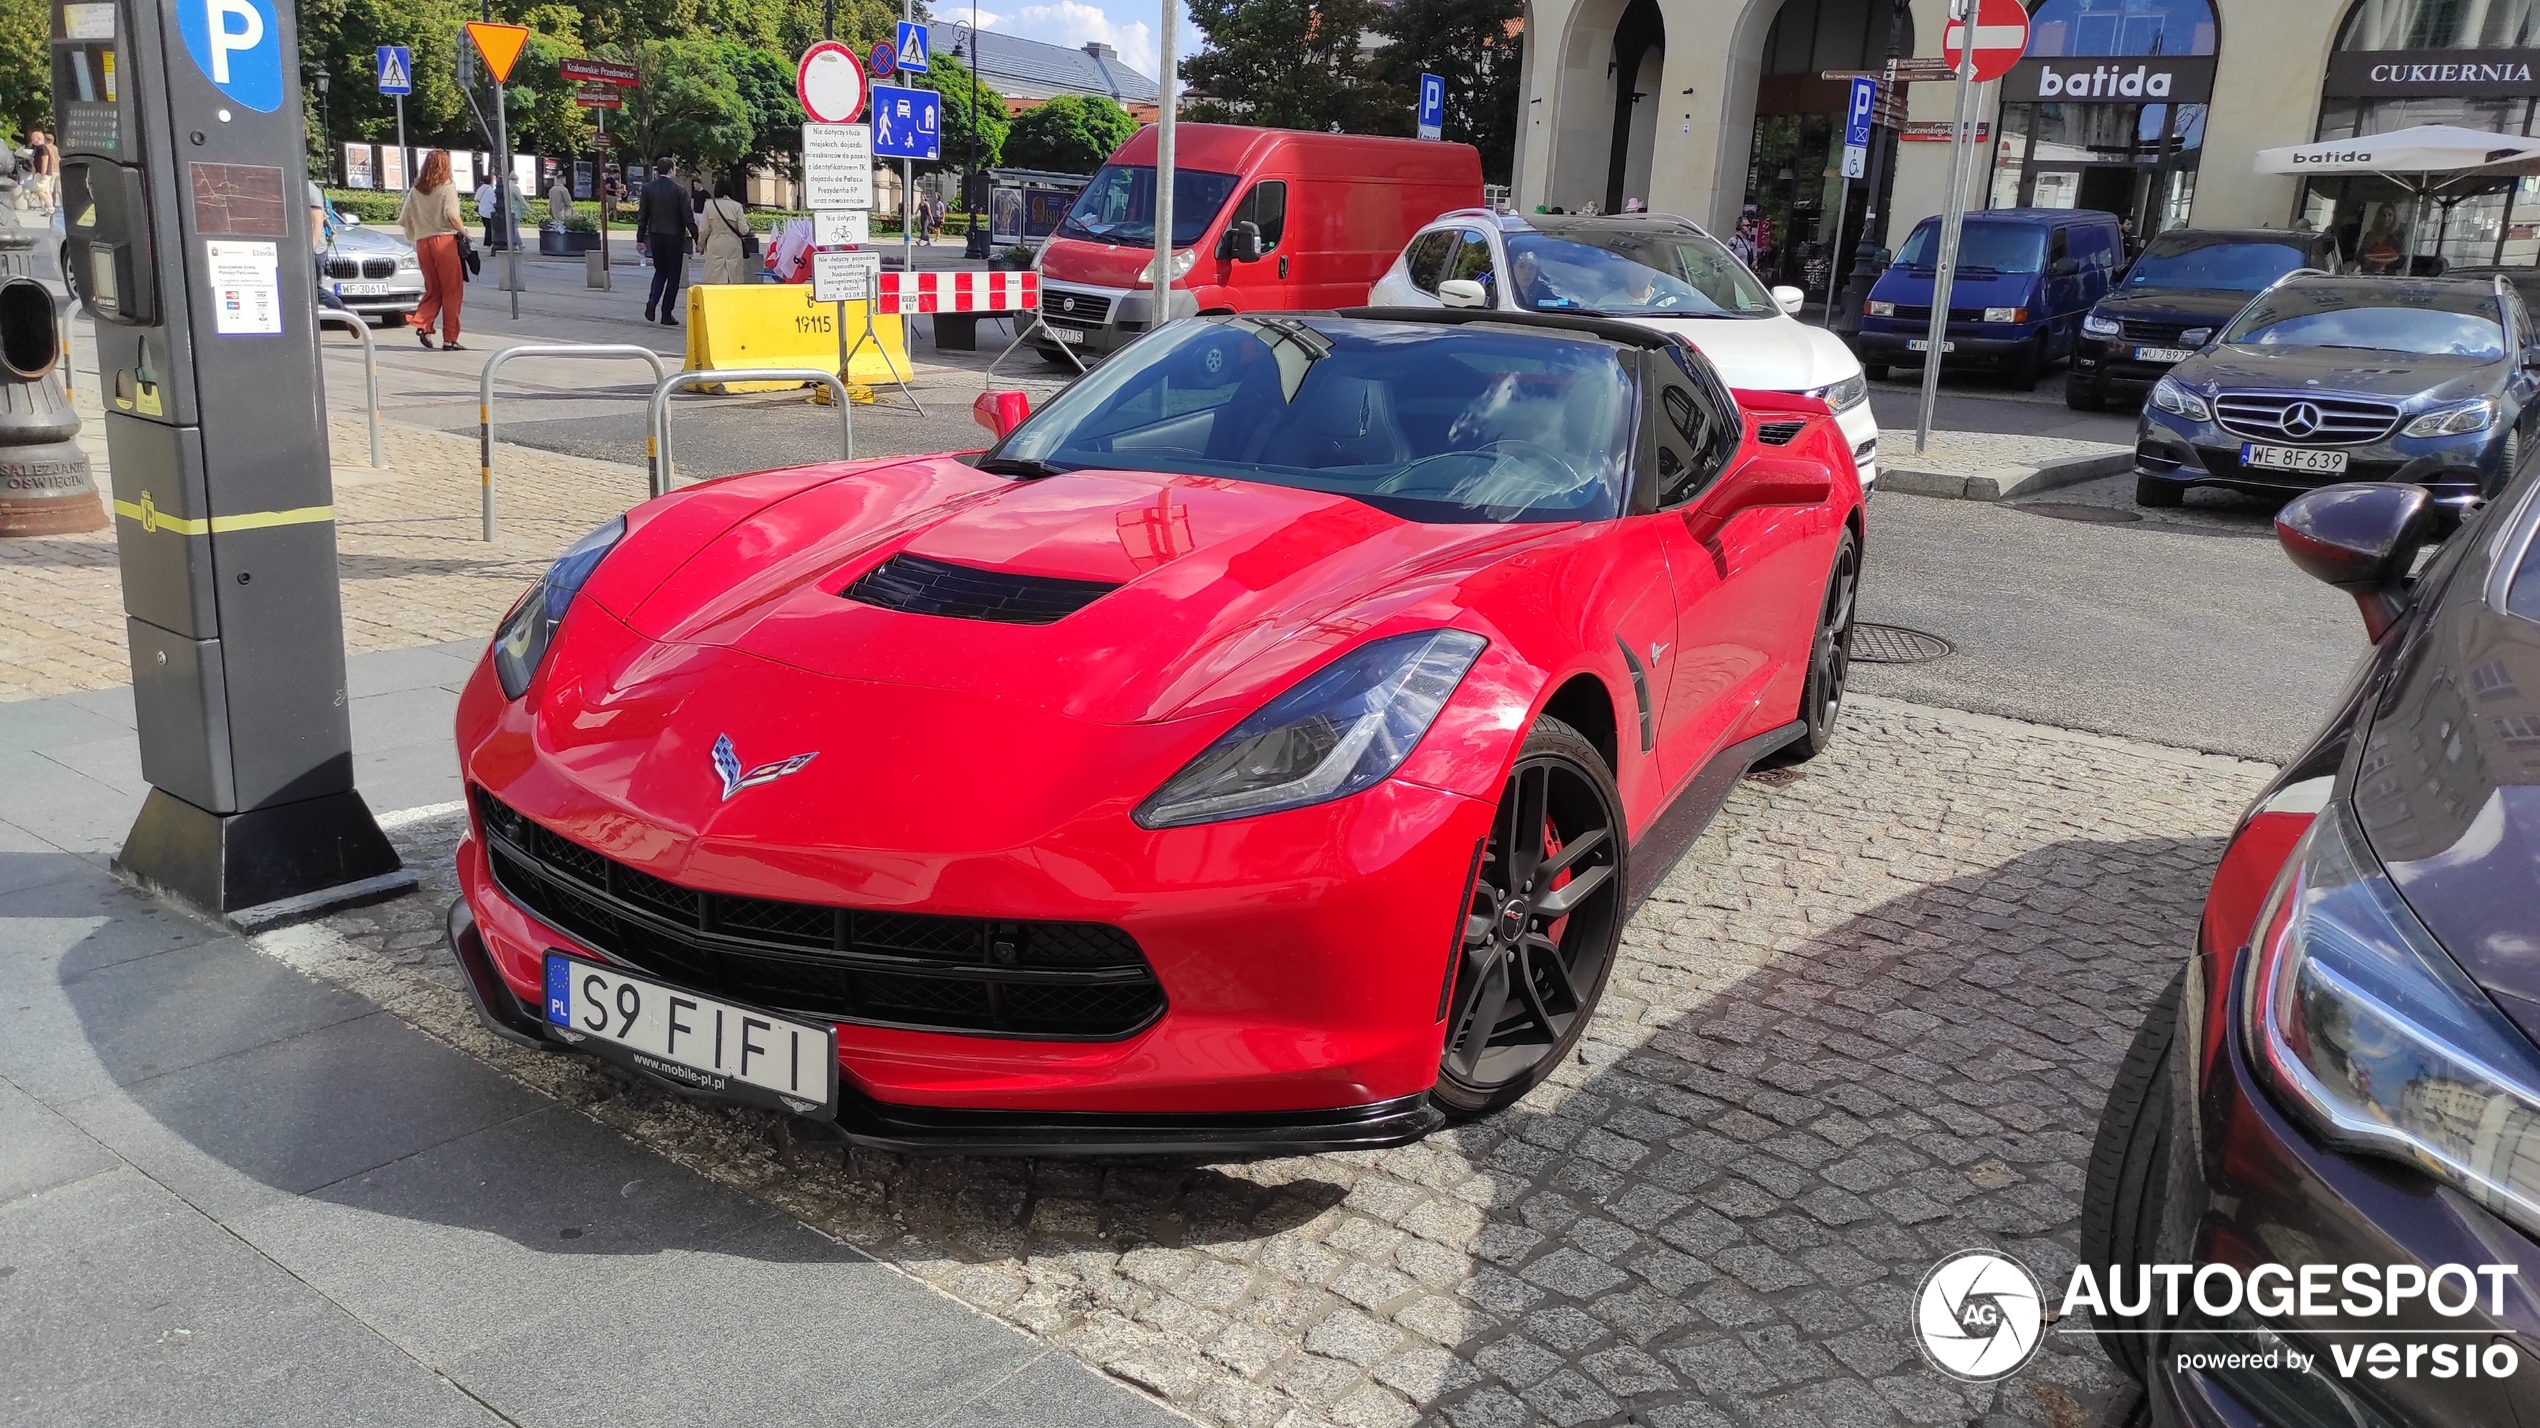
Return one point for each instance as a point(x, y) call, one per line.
point(2159, 79)
point(2433, 74)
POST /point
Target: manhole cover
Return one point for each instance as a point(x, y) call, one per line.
point(2076, 511)
point(1894, 644)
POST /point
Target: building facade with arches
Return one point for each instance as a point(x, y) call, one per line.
point(2153, 109)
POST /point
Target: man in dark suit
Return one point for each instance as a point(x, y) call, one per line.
point(664, 225)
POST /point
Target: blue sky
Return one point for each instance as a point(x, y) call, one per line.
point(1129, 26)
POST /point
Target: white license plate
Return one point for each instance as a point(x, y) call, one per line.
point(1923, 344)
point(710, 1045)
point(2163, 354)
point(2292, 458)
point(1067, 336)
point(363, 290)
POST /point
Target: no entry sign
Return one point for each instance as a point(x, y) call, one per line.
point(830, 82)
point(2001, 38)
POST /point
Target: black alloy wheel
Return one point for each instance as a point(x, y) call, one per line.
point(1829, 656)
point(1541, 930)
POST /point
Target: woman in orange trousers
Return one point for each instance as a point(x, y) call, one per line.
point(431, 222)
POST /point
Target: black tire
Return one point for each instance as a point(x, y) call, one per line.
point(1505, 1033)
point(1829, 656)
point(1875, 371)
point(2159, 494)
point(2508, 465)
point(2121, 1196)
point(2022, 373)
point(2081, 398)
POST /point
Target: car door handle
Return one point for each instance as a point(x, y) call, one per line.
point(1283, 265)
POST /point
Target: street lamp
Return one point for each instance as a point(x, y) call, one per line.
point(326, 123)
point(975, 242)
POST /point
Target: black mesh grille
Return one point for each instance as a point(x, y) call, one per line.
point(933, 587)
point(379, 267)
point(343, 268)
point(1083, 308)
point(1779, 433)
point(1052, 980)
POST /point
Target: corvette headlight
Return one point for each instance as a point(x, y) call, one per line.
point(1182, 263)
point(520, 643)
point(1341, 729)
point(2455, 421)
point(1881, 309)
point(1842, 396)
point(2006, 314)
point(2171, 395)
point(2098, 326)
point(2367, 1028)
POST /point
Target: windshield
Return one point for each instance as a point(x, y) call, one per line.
point(1623, 273)
point(1430, 423)
point(1118, 205)
point(2238, 267)
point(1994, 247)
point(2375, 317)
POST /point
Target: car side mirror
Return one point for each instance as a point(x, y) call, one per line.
point(1463, 292)
point(1001, 412)
point(1242, 242)
point(1789, 299)
point(2362, 537)
point(2065, 267)
point(1754, 484)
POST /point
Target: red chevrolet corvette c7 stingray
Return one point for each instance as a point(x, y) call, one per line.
point(1258, 748)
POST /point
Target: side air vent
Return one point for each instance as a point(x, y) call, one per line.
point(921, 586)
point(1779, 433)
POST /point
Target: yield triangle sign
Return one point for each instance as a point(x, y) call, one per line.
point(499, 44)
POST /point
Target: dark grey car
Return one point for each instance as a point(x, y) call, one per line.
point(2322, 380)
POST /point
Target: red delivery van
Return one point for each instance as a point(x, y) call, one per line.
point(1330, 212)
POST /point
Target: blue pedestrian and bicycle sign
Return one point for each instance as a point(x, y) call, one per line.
point(396, 70)
point(907, 123)
point(1432, 107)
point(912, 48)
point(237, 44)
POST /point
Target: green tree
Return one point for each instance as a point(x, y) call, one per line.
point(765, 81)
point(952, 79)
point(1288, 64)
point(26, 68)
point(1070, 134)
point(1472, 45)
point(689, 106)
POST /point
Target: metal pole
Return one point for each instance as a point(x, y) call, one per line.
point(1953, 215)
point(600, 191)
point(1834, 247)
point(503, 199)
point(908, 187)
point(331, 317)
point(657, 410)
point(1167, 95)
point(405, 156)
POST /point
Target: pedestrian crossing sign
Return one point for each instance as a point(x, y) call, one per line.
point(396, 70)
point(912, 46)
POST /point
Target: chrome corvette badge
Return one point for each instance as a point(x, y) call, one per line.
point(727, 765)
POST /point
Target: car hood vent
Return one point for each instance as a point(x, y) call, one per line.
point(920, 586)
point(1779, 433)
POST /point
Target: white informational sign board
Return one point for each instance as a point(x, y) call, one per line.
point(844, 277)
point(837, 167)
point(1856, 160)
point(841, 227)
point(392, 168)
point(357, 166)
point(246, 288)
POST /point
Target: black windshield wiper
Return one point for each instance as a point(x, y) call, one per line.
point(1022, 466)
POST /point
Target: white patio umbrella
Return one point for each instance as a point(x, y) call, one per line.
point(2426, 161)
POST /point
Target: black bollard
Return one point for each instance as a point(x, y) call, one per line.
point(44, 483)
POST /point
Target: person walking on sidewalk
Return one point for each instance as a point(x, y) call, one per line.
point(431, 221)
point(48, 170)
point(726, 223)
point(665, 224)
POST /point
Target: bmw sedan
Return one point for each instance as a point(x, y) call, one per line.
point(2336, 1104)
point(1260, 746)
point(2322, 380)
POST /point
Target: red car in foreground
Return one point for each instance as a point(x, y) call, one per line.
point(1258, 748)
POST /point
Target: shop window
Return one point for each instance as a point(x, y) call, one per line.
point(2442, 25)
point(2123, 27)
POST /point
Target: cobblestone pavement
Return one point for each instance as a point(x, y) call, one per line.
point(1865, 1023)
point(414, 571)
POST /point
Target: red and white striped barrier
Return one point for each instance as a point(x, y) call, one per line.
point(960, 291)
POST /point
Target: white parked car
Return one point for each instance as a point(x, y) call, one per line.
point(1651, 269)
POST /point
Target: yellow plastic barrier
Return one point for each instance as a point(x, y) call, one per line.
point(778, 325)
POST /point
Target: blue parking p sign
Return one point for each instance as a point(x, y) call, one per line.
point(912, 47)
point(1432, 107)
point(1856, 113)
point(237, 44)
point(396, 70)
point(907, 123)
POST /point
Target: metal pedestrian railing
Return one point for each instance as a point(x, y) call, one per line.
point(657, 415)
point(656, 456)
point(332, 317)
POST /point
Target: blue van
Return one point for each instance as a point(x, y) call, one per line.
point(2025, 278)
